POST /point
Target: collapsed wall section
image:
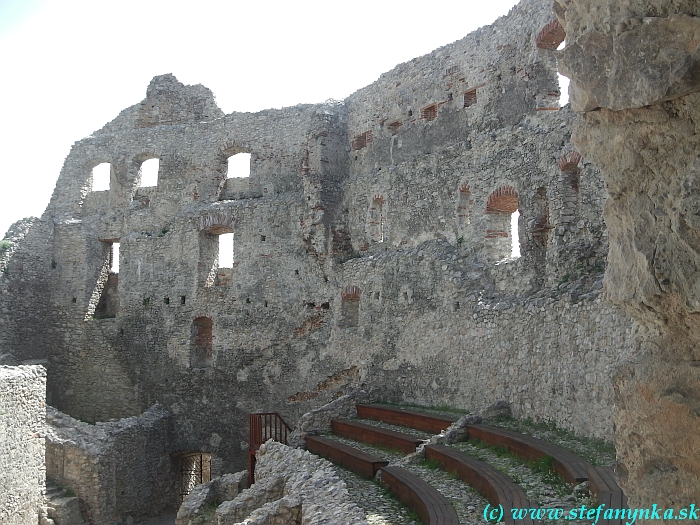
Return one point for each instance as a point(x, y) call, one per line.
point(22, 428)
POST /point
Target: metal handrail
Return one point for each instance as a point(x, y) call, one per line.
point(262, 427)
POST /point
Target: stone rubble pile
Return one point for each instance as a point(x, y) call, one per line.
point(214, 492)
point(292, 486)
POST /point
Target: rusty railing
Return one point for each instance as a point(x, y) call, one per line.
point(264, 426)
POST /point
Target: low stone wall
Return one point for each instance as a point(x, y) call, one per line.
point(121, 470)
point(22, 427)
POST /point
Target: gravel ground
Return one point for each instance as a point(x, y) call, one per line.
point(596, 451)
point(546, 490)
point(381, 507)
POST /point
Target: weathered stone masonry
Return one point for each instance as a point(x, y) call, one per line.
point(371, 245)
point(22, 431)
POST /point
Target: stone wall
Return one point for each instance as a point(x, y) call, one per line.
point(22, 429)
point(121, 470)
point(372, 249)
point(636, 64)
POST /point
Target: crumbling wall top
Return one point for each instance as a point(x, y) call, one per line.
point(168, 101)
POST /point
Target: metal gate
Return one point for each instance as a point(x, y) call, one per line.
point(194, 469)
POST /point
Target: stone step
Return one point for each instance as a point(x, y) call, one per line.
point(405, 443)
point(53, 492)
point(406, 418)
point(362, 463)
point(418, 495)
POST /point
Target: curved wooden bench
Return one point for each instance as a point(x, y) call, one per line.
point(432, 507)
point(366, 465)
point(375, 435)
point(602, 483)
point(498, 488)
point(406, 418)
point(571, 467)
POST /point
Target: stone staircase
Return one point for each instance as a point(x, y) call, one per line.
point(60, 508)
point(437, 473)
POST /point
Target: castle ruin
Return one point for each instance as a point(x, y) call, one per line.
point(372, 246)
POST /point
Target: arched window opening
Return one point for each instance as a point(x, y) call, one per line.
point(195, 469)
point(238, 166)
point(350, 307)
point(376, 216)
point(202, 343)
point(226, 250)
point(149, 172)
point(502, 238)
point(101, 175)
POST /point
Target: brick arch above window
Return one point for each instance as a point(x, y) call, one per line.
point(217, 223)
point(351, 293)
point(502, 200)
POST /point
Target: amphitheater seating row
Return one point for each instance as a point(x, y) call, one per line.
point(498, 488)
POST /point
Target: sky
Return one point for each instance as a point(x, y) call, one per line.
point(67, 67)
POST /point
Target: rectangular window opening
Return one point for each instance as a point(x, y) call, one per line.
point(114, 259)
point(226, 246)
point(239, 166)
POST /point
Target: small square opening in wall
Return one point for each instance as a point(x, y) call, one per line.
point(470, 98)
point(182, 299)
point(149, 172)
point(238, 166)
point(101, 175)
point(429, 113)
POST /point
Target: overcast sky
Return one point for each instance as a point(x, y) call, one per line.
point(67, 67)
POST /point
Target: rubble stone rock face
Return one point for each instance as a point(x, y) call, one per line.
point(22, 428)
point(647, 67)
point(372, 249)
point(306, 481)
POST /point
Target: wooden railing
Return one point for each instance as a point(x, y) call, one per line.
point(262, 427)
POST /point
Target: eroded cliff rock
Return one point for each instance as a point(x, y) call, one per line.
point(638, 63)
